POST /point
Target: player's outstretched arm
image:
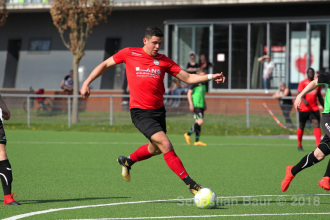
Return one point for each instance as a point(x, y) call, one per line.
point(196, 78)
point(98, 71)
point(310, 87)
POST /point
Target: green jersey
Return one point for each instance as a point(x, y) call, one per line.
point(198, 95)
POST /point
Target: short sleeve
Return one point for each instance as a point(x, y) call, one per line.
point(120, 56)
point(324, 78)
point(192, 86)
point(172, 67)
point(300, 87)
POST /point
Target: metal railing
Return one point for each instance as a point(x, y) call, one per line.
point(111, 110)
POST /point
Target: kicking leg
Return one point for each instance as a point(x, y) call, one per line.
point(142, 153)
point(173, 161)
point(309, 160)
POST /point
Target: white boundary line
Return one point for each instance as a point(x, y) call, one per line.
point(132, 143)
point(165, 200)
point(213, 216)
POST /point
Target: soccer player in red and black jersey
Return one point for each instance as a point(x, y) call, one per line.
point(309, 109)
point(145, 70)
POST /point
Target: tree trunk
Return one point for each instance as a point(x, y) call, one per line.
point(74, 117)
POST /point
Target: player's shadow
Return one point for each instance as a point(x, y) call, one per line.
point(225, 204)
point(234, 202)
point(69, 200)
point(188, 203)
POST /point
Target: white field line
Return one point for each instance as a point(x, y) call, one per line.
point(164, 200)
point(213, 216)
point(132, 143)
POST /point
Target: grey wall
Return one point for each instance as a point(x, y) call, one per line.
point(47, 69)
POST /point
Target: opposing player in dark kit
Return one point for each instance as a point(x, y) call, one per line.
point(323, 148)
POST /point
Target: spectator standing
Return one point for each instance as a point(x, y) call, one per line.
point(268, 67)
point(192, 66)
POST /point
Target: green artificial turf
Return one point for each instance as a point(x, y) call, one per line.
point(75, 175)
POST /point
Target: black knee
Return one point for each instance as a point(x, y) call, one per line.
point(325, 148)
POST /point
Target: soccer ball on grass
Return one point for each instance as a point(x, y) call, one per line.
point(205, 198)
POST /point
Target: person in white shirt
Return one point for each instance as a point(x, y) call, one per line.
point(267, 71)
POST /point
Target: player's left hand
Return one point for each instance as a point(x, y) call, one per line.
point(219, 77)
point(85, 91)
point(191, 108)
point(297, 103)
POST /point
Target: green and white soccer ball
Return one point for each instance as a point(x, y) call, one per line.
point(205, 198)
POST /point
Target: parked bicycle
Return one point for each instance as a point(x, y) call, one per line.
point(43, 103)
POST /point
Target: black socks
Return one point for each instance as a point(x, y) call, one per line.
point(6, 176)
point(327, 172)
point(307, 161)
point(195, 128)
point(188, 181)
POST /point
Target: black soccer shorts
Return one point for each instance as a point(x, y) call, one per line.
point(3, 139)
point(198, 113)
point(149, 122)
point(304, 116)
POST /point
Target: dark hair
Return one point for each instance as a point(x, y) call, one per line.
point(311, 70)
point(153, 31)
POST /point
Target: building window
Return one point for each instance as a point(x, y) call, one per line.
point(221, 53)
point(239, 56)
point(39, 45)
point(298, 53)
point(278, 53)
point(293, 46)
point(258, 41)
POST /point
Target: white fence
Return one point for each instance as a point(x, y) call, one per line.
point(241, 111)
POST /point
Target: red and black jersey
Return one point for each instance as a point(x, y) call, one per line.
point(310, 97)
point(145, 76)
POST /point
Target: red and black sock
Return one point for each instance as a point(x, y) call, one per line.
point(142, 153)
point(317, 135)
point(175, 164)
point(299, 136)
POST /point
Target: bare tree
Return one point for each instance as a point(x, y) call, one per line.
point(75, 20)
point(3, 12)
